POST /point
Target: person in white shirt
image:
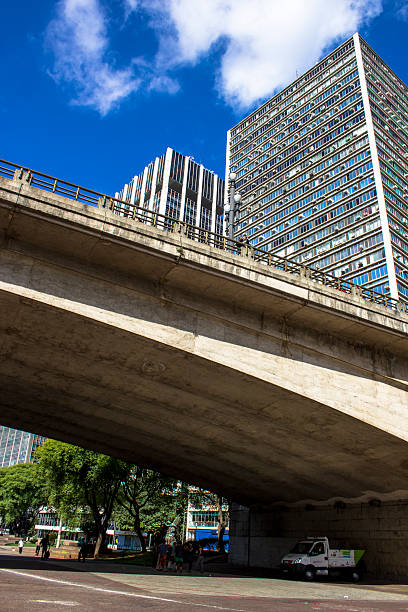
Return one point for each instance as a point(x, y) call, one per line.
point(20, 546)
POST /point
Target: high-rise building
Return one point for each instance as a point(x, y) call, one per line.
point(176, 186)
point(17, 446)
point(322, 171)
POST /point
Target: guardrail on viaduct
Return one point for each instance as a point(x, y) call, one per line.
point(142, 215)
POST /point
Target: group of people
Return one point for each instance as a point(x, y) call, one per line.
point(174, 556)
point(43, 544)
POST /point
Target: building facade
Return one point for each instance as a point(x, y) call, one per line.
point(202, 523)
point(17, 446)
point(176, 186)
point(322, 171)
point(49, 523)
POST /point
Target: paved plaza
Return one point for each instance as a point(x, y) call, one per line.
point(27, 583)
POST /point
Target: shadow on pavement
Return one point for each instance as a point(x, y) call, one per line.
point(213, 570)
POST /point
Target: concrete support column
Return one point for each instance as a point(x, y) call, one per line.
point(261, 536)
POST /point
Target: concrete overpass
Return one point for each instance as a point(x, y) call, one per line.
point(230, 374)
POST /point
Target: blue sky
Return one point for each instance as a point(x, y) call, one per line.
point(93, 90)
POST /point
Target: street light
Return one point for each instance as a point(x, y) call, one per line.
point(229, 207)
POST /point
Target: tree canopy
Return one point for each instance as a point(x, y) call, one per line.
point(149, 501)
point(75, 477)
point(21, 495)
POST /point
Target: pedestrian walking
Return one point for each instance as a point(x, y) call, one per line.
point(190, 556)
point(162, 556)
point(200, 559)
point(45, 543)
point(170, 556)
point(37, 547)
point(83, 549)
point(178, 557)
point(20, 546)
point(155, 559)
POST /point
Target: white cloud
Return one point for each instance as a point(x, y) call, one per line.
point(258, 45)
point(402, 9)
point(264, 41)
point(130, 6)
point(78, 39)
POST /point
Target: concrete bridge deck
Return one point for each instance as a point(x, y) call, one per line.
point(152, 347)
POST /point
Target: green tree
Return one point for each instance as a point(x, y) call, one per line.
point(76, 478)
point(21, 495)
point(150, 501)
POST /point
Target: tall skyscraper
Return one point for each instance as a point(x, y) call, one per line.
point(176, 186)
point(322, 170)
point(17, 446)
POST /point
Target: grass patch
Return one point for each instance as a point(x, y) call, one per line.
point(133, 558)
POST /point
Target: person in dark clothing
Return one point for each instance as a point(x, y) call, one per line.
point(155, 555)
point(243, 240)
point(200, 559)
point(243, 244)
point(83, 549)
point(178, 557)
point(45, 544)
point(190, 556)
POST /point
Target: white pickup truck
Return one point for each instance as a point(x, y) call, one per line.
point(314, 557)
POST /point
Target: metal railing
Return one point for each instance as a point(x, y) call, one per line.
point(198, 234)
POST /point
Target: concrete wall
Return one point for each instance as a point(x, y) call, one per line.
point(382, 530)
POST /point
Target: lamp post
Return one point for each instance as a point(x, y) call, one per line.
point(229, 207)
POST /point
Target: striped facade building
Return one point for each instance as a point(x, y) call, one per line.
point(322, 170)
point(176, 186)
point(17, 446)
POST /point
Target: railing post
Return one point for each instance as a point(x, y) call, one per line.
point(400, 306)
point(20, 175)
point(355, 290)
point(304, 272)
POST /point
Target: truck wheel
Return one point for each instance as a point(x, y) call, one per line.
point(355, 575)
point(310, 573)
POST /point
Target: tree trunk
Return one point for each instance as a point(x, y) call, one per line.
point(99, 541)
point(220, 537)
point(138, 530)
point(221, 526)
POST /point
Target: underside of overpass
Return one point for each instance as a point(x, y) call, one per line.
point(168, 353)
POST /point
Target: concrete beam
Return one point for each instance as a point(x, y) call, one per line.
point(147, 345)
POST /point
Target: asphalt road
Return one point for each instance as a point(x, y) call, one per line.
point(27, 583)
